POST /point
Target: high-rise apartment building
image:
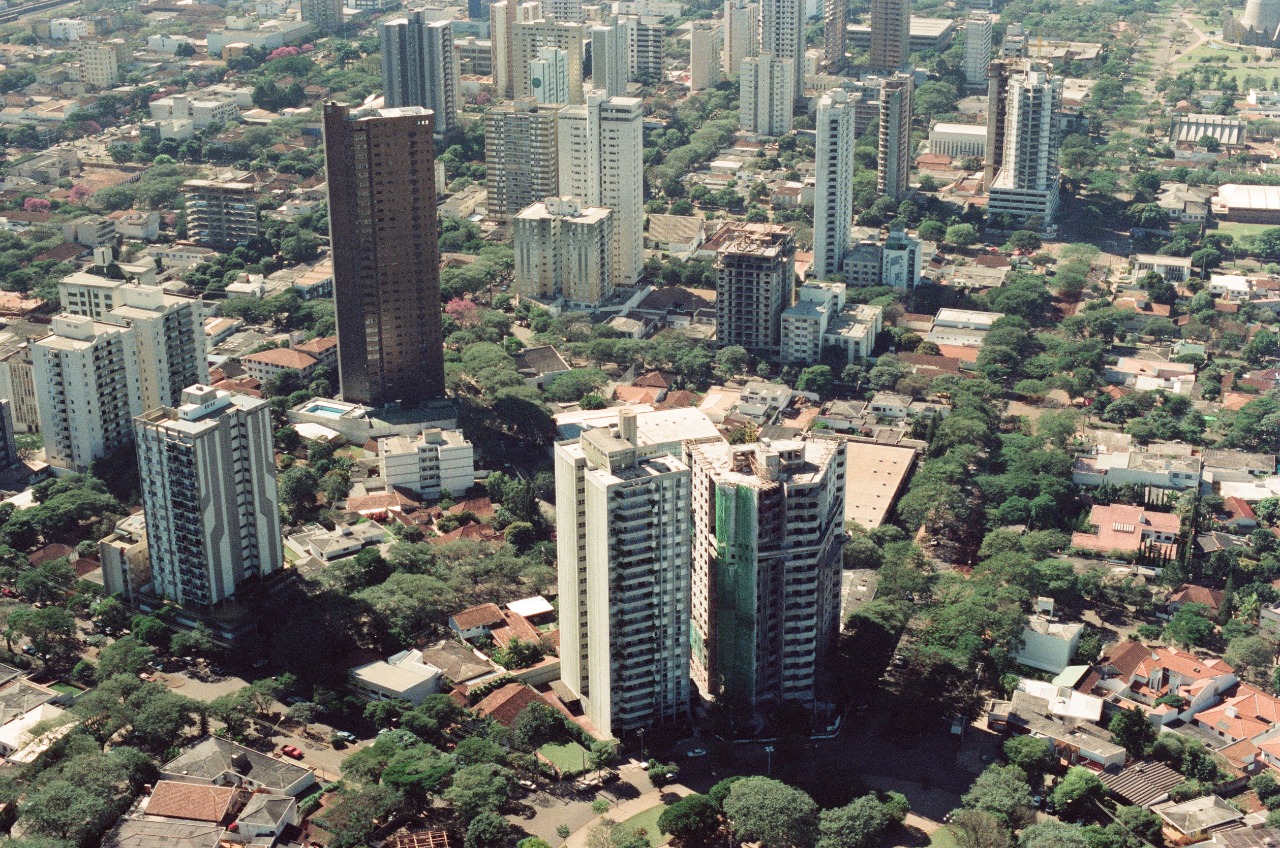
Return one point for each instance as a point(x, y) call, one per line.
point(549, 76)
point(755, 281)
point(766, 94)
point(528, 40)
point(520, 155)
point(741, 33)
point(767, 521)
point(18, 385)
point(890, 35)
point(478, 10)
point(622, 513)
point(706, 40)
point(645, 40)
point(9, 457)
point(568, 11)
point(504, 15)
point(835, 31)
point(209, 494)
point(380, 165)
point(420, 68)
point(901, 261)
point(893, 168)
point(977, 48)
point(324, 15)
point(563, 252)
point(429, 463)
point(168, 332)
point(1024, 190)
point(782, 34)
point(97, 64)
point(86, 376)
point(610, 59)
point(833, 193)
point(221, 213)
point(601, 163)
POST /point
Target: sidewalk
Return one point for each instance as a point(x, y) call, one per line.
point(624, 811)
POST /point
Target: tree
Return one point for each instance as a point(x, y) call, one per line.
point(609, 834)
point(1142, 823)
point(660, 774)
point(1078, 786)
point(124, 656)
point(51, 631)
point(1190, 627)
point(1024, 240)
point(817, 379)
point(356, 813)
point(479, 788)
point(978, 829)
point(48, 582)
point(66, 811)
point(298, 488)
point(934, 231)
point(1209, 143)
point(1251, 657)
point(488, 830)
point(694, 820)
point(1030, 753)
point(771, 812)
point(859, 824)
point(110, 614)
point(1054, 834)
point(1131, 730)
point(962, 235)
point(1003, 792)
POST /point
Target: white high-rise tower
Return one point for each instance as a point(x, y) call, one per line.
point(741, 33)
point(782, 34)
point(766, 94)
point(833, 195)
point(977, 48)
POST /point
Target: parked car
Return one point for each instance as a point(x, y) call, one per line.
point(291, 751)
point(345, 736)
point(294, 699)
point(696, 752)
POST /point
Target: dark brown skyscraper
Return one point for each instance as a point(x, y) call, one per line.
point(890, 35)
point(384, 233)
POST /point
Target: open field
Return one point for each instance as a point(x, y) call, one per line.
point(1238, 229)
point(569, 759)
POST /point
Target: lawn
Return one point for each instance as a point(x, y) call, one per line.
point(942, 838)
point(648, 820)
point(1237, 229)
point(568, 759)
point(67, 689)
point(1214, 52)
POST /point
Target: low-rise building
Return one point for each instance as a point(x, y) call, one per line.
point(1128, 529)
point(214, 761)
point(267, 364)
point(404, 676)
point(344, 540)
point(1175, 469)
point(1047, 643)
point(1175, 269)
point(433, 462)
point(1147, 375)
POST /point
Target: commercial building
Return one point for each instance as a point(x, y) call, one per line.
point(1024, 190)
point(766, 94)
point(528, 38)
point(429, 463)
point(893, 166)
point(549, 76)
point(646, 47)
point(1252, 204)
point(168, 333)
point(1187, 131)
point(767, 522)
point(209, 495)
point(958, 141)
point(420, 68)
point(563, 253)
point(741, 33)
point(221, 213)
point(782, 34)
point(601, 163)
point(890, 36)
point(622, 513)
point(520, 155)
point(324, 15)
point(901, 260)
point(977, 48)
point(384, 234)
point(706, 41)
point(833, 195)
point(201, 111)
point(755, 279)
point(86, 377)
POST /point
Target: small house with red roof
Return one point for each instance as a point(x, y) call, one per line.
point(1189, 593)
point(1240, 516)
point(1128, 529)
point(1244, 714)
point(1133, 674)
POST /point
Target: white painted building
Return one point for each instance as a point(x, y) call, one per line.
point(766, 94)
point(168, 332)
point(833, 195)
point(741, 34)
point(563, 253)
point(435, 460)
point(977, 48)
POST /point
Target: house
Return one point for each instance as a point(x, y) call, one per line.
point(1077, 741)
point(1190, 593)
point(1234, 288)
point(676, 234)
point(158, 832)
point(266, 816)
point(1200, 816)
point(17, 745)
point(1240, 516)
point(404, 676)
point(1128, 529)
point(1147, 375)
point(458, 662)
point(218, 762)
point(1048, 644)
point(1136, 675)
point(191, 801)
point(1142, 784)
point(505, 704)
point(890, 405)
point(475, 622)
point(381, 503)
point(265, 364)
point(540, 365)
point(342, 541)
point(1155, 466)
point(1246, 714)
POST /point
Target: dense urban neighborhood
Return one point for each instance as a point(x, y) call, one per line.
point(537, 423)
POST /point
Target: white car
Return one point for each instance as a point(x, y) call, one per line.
point(696, 752)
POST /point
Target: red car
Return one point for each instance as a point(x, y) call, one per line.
point(291, 751)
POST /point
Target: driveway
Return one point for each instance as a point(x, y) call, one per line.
point(205, 690)
point(560, 804)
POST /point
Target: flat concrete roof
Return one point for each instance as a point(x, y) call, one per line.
point(874, 476)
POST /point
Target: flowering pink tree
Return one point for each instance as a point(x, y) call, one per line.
point(36, 204)
point(282, 53)
point(465, 312)
point(79, 192)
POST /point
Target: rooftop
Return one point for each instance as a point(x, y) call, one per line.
point(213, 758)
point(193, 801)
point(162, 833)
point(1200, 814)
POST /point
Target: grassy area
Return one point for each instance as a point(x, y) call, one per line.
point(290, 554)
point(67, 689)
point(942, 838)
point(648, 821)
point(568, 759)
point(1214, 52)
point(1237, 229)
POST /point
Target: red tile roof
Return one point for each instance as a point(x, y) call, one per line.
point(1120, 528)
point(194, 801)
point(316, 347)
point(654, 379)
point(482, 615)
point(282, 357)
point(1239, 509)
point(1192, 594)
point(505, 705)
point(1244, 715)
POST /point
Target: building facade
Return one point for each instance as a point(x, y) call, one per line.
point(221, 214)
point(893, 167)
point(601, 151)
point(833, 194)
point(977, 48)
point(890, 36)
point(528, 40)
point(520, 155)
point(901, 260)
point(18, 385)
point(168, 332)
point(549, 76)
point(432, 462)
point(622, 510)
point(610, 59)
point(741, 34)
point(766, 94)
point(420, 68)
point(1026, 178)
point(563, 253)
point(384, 235)
point(782, 34)
point(209, 495)
point(755, 280)
point(324, 15)
point(706, 41)
point(86, 376)
point(767, 523)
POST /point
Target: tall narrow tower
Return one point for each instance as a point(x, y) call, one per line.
point(977, 48)
point(835, 17)
point(890, 35)
point(384, 233)
point(420, 68)
point(782, 34)
point(893, 176)
point(1026, 185)
point(833, 196)
point(741, 33)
